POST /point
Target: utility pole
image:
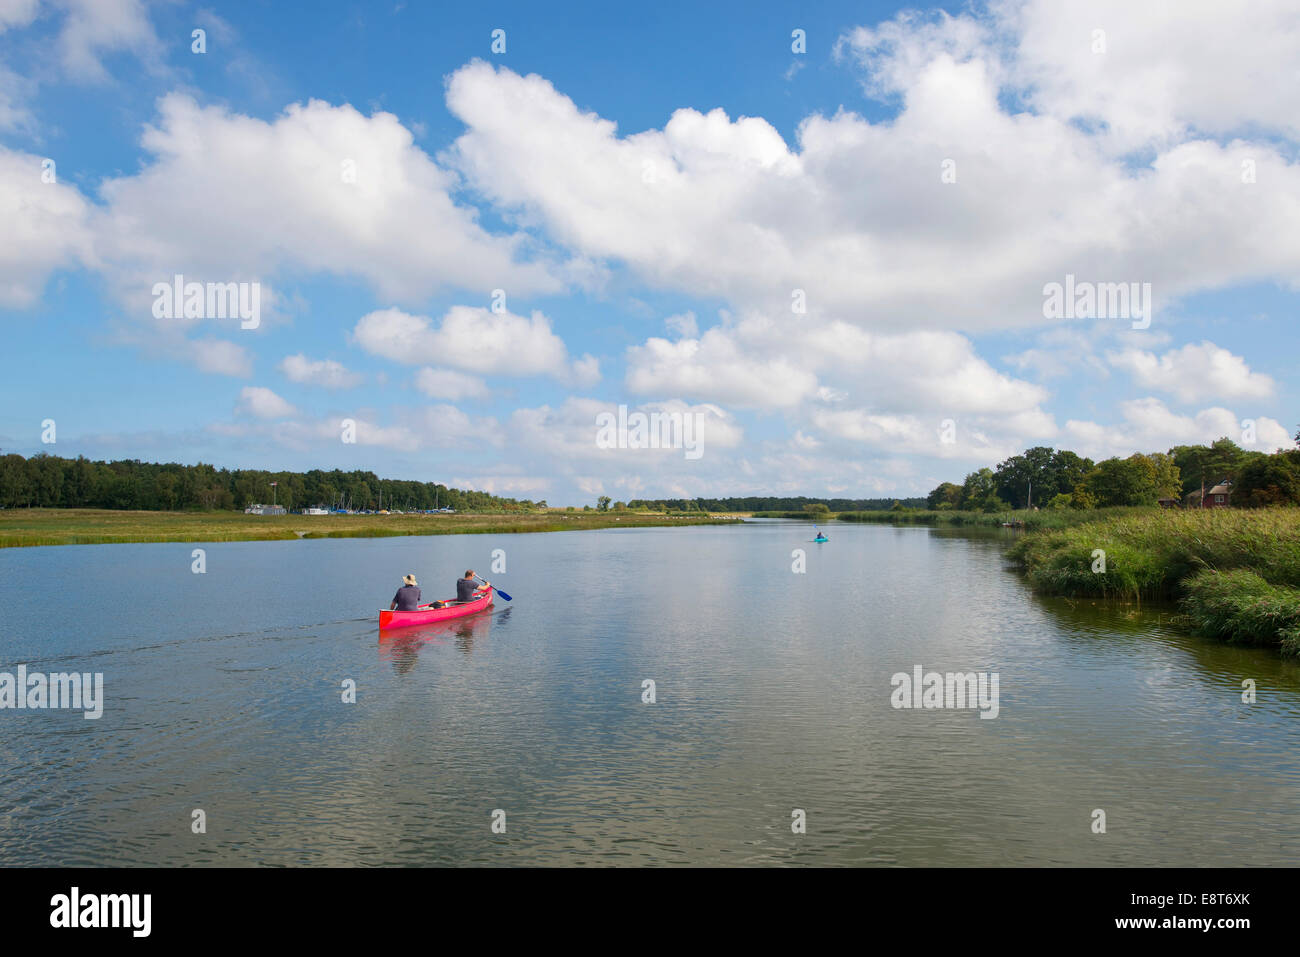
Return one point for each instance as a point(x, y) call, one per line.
point(1202, 502)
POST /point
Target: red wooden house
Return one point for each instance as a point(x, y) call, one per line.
point(1218, 496)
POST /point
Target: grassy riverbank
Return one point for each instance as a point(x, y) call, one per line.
point(83, 526)
point(1043, 519)
point(1234, 573)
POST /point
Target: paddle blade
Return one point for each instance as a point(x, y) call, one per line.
point(501, 593)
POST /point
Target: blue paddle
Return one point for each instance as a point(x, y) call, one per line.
point(498, 591)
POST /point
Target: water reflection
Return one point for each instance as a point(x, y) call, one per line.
point(402, 646)
point(1127, 629)
point(773, 692)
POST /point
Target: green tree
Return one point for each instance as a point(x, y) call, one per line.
point(1068, 470)
point(1207, 465)
point(1021, 476)
point(46, 479)
point(979, 492)
point(946, 495)
point(1165, 477)
point(1082, 499)
point(1136, 480)
point(1039, 474)
point(15, 486)
point(1270, 480)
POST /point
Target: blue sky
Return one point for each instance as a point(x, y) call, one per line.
point(652, 189)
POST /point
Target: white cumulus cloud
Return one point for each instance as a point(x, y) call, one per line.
point(448, 384)
point(1194, 373)
point(320, 188)
point(45, 227)
point(326, 373)
point(262, 403)
point(475, 340)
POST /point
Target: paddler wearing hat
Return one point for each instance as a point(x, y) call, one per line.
point(407, 597)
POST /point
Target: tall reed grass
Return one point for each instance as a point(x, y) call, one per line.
point(1234, 572)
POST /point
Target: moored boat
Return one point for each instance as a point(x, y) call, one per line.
point(427, 614)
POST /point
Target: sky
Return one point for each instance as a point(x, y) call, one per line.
point(822, 240)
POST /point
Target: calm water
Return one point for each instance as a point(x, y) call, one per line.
point(773, 693)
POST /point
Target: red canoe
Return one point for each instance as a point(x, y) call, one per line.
point(427, 614)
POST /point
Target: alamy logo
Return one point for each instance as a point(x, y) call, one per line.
point(930, 689)
point(1098, 300)
point(657, 430)
point(102, 910)
point(59, 690)
point(179, 299)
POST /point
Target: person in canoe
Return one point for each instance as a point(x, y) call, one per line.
point(407, 597)
point(465, 589)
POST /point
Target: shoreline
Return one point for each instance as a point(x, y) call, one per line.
point(1233, 574)
point(47, 527)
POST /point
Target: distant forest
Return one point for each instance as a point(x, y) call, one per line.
point(1052, 478)
point(764, 504)
point(49, 481)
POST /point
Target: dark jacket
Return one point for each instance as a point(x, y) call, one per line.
point(407, 598)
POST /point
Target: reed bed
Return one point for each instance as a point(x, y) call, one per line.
point(1234, 572)
point(1043, 519)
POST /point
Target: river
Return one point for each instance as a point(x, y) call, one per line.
point(224, 693)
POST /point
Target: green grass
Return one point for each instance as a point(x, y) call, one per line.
point(1042, 519)
point(81, 526)
point(1235, 573)
point(1241, 607)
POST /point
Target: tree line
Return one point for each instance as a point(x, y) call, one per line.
point(1057, 478)
point(754, 504)
point(48, 481)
